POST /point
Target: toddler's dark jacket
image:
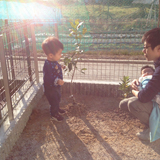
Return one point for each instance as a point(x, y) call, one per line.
point(52, 72)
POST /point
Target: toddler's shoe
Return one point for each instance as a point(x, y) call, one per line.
point(57, 117)
point(61, 111)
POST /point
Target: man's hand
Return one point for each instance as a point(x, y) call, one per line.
point(135, 93)
point(134, 84)
point(60, 82)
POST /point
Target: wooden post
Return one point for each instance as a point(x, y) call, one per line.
point(27, 50)
point(9, 48)
point(35, 53)
point(5, 79)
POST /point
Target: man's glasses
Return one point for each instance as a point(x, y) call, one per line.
point(146, 47)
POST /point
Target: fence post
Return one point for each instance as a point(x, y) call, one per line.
point(8, 34)
point(56, 30)
point(5, 79)
point(27, 50)
point(35, 53)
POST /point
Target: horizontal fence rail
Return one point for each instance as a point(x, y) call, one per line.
point(106, 70)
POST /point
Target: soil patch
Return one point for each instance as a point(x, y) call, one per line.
point(94, 129)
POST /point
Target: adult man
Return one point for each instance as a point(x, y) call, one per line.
point(141, 105)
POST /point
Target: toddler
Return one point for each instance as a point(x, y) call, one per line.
point(52, 76)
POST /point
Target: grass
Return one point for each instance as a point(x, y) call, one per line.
point(75, 12)
point(115, 11)
point(117, 18)
point(86, 12)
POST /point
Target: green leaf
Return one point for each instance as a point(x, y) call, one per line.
point(79, 25)
point(73, 32)
point(65, 70)
point(125, 87)
point(84, 30)
point(83, 69)
point(72, 25)
point(77, 22)
point(70, 66)
point(74, 63)
point(67, 60)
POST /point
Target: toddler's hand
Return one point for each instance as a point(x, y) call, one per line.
point(63, 66)
point(60, 82)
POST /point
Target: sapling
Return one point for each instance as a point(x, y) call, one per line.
point(125, 86)
point(77, 31)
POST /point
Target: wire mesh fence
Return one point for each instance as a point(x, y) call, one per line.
point(112, 44)
point(102, 70)
point(114, 32)
point(114, 28)
point(111, 24)
point(16, 65)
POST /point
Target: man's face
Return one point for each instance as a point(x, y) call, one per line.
point(151, 55)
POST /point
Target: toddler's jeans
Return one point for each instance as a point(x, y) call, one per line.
point(53, 96)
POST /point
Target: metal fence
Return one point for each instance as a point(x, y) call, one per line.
point(111, 24)
point(107, 71)
point(107, 57)
point(112, 45)
point(18, 70)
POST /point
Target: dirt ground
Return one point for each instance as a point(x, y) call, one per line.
point(94, 129)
